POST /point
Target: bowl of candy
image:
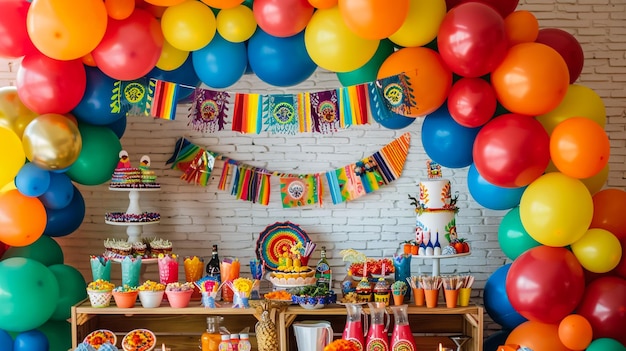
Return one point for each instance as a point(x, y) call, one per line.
point(313, 297)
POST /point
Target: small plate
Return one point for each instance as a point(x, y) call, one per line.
point(99, 337)
point(139, 340)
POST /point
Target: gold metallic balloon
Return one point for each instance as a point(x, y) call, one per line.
point(13, 113)
point(52, 141)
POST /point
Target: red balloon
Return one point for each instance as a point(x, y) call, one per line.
point(604, 306)
point(14, 39)
point(504, 7)
point(47, 85)
point(608, 214)
point(282, 18)
point(512, 150)
point(545, 284)
point(567, 46)
point(131, 47)
point(472, 102)
point(472, 39)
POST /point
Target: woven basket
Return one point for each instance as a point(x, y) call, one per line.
point(99, 298)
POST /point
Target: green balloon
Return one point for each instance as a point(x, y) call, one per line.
point(59, 334)
point(72, 289)
point(45, 250)
point(98, 157)
point(368, 72)
point(30, 293)
point(606, 344)
point(513, 238)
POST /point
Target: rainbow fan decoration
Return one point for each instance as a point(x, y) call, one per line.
point(277, 239)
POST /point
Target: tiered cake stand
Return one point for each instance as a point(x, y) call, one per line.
point(436, 260)
point(133, 229)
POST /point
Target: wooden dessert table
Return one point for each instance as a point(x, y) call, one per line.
point(180, 328)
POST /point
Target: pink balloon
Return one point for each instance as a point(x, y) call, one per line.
point(472, 39)
point(567, 46)
point(472, 102)
point(131, 47)
point(47, 85)
point(511, 150)
point(504, 7)
point(282, 18)
point(14, 40)
point(545, 284)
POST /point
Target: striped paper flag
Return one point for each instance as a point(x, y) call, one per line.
point(162, 99)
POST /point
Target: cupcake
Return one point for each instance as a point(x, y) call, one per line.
point(364, 291)
point(139, 248)
point(381, 291)
point(398, 289)
point(160, 246)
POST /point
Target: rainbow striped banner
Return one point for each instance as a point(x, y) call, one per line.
point(162, 99)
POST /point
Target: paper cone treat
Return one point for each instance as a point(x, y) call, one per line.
point(229, 270)
point(100, 268)
point(168, 268)
point(194, 268)
point(131, 269)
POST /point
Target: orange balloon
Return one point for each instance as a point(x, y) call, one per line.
point(531, 80)
point(119, 9)
point(323, 4)
point(428, 76)
point(579, 147)
point(537, 336)
point(608, 211)
point(165, 3)
point(374, 19)
point(22, 218)
point(223, 4)
point(575, 332)
point(521, 27)
point(88, 60)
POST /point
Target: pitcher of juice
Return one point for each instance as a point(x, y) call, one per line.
point(401, 337)
point(377, 338)
point(356, 325)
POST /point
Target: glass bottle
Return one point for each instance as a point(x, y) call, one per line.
point(377, 338)
point(211, 338)
point(213, 267)
point(225, 344)
point(234, 340)
point(437, 248)
point(244, 342)
point(322, 271)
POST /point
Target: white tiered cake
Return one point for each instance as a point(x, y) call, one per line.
point(436, 224)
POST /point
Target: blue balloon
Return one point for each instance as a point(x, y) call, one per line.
point(118, 127)
point(185, 76)
point(66, 220)
point(492, 196)
point(497, 304)
point(277, 61)
point(221, 63)
point(6, 341)
point(447, 142)
point(382, 114)
point(495, 340)
point(95, 106)
point(59, 193)
point(32, 180)
point(32, 340)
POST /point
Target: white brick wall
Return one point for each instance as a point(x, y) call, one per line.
point(194, 217)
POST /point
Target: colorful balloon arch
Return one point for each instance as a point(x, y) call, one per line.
point(504, 94)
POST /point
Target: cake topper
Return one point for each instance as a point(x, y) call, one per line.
point(124, 161)
point(144, 162)
point(433, 169)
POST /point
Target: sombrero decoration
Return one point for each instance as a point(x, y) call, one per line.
point(276, 239)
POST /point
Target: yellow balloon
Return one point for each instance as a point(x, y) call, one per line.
point(421, 24)
point(66, 29)
point(236, 24)
point(171, 58)
point(188, 26)
point(556, 210)
point(332, 46)
point(594, 183)
point(598, 251)
point(13, 113)
point(579, 101)
point(8, 186)
point(52, 141)
point(12, 156)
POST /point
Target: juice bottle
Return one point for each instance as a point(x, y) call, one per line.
point(234, 340)
point(211, 338)
point(244, 342)
point(225, 344)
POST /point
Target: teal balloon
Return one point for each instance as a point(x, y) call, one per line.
point(513, 238)
point(98, 156)
point(368, 72)
point(6, 341)
point(72, 289)
point(45, 250)
point(606, 344)
point(59, 335)
point(30, 293)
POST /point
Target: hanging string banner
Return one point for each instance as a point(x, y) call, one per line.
point(250, 183)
